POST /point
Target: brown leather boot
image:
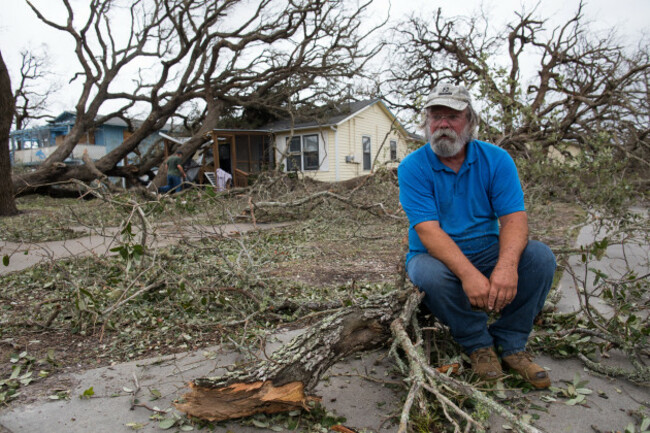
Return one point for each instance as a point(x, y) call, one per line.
point(486, 364)
point(522, 363)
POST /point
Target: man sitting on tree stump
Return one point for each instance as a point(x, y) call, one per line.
point(456, 191)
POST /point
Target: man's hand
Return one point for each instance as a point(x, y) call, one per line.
point(512, 241)
point(503, 287)
point(477, 289)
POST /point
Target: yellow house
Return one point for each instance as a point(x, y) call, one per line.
point(350, 142)
point(347, 142)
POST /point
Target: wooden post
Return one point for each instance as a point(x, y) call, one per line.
point(233, 155)
point(250, 155)
point(215, 150)
point(166, 151)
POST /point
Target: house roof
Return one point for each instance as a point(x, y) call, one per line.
point(116, 121)
point(417, 137)
point(177, 140)
point(68, 117)
point(63, 117)
point(333, 117)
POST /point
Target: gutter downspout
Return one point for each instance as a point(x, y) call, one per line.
point(336, 154)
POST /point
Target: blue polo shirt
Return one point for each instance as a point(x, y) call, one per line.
point(466, 204)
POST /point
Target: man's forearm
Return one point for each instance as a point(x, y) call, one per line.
point(441, 246)
point(513, 238)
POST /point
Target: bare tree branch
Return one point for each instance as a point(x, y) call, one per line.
point(268, 56)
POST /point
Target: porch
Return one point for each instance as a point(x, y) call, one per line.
point(238, 152)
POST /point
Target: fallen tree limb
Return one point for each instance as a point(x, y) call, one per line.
point(422, 375)
point(91, 165)
point(621, 300)
point(290, 306)
point(328, 194)
point(284, 381)
point(437, 379)
point(640, 375)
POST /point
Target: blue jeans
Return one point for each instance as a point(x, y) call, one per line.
point(447, 301)
point(173, 184)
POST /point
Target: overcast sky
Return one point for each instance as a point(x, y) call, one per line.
point(20, 29)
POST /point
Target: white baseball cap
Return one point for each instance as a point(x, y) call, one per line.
point(447, 95)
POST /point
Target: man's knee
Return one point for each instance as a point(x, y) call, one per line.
point(426, 272)
point(538, 256)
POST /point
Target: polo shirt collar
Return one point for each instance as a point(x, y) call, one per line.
point(437, 165)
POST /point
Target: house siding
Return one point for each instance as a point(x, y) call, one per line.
point(374, 122)
point(113, 137)
point(325, 151)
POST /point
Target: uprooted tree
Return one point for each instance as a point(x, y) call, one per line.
point(213, 55)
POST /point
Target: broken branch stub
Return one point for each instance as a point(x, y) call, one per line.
point(242, 399)
point(283, 382)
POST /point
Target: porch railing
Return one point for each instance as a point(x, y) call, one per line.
point(241, 178)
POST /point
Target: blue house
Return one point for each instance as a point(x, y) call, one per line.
point(32, 146)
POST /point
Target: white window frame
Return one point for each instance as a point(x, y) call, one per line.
point(294, 155)
point(364, 139)
point(393, 150)
point(304, 153)
point(301, 154)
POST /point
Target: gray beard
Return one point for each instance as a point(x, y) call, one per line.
point(446, 143)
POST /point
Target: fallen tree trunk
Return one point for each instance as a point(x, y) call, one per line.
point(283, 382)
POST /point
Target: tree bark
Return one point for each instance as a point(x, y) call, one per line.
point(107, 165)
point(7, 202)
point(191, 146)
point(283, 382)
